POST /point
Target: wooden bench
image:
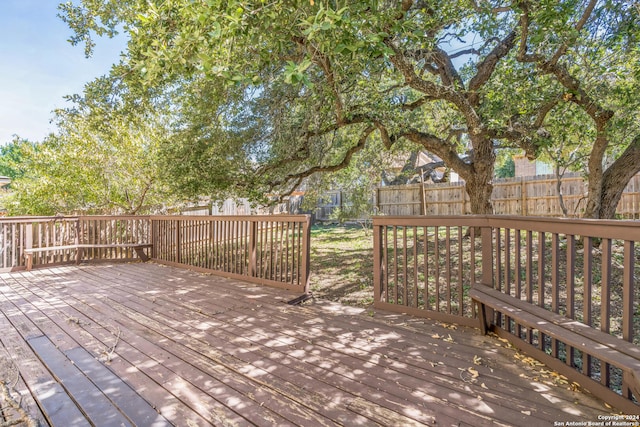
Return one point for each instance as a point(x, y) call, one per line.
point(138, 247)
point(605, 347)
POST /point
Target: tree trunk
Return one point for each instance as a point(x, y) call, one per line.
point(559, 176)
point(604, 201)
point(479, 182)
point(479, 192)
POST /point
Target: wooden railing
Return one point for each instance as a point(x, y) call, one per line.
point(584, 270)
point(65, 235)
point(271, 250)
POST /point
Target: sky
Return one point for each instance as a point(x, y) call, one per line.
point(38, 66)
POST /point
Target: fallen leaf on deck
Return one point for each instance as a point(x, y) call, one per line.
point(477, 360)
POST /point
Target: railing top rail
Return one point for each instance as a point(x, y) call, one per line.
point(612, 229)
point(251, 218)
point(67, 218)
point(27, 219)
point(124, 217)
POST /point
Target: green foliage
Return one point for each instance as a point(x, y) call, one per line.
point(507, 169)
point(265, 95)
point(356, 182)
point(90, 166)
point(12, 155)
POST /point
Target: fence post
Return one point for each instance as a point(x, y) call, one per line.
point(523, 197)
point(423, 199)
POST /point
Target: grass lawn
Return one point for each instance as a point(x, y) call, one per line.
point(342, 264)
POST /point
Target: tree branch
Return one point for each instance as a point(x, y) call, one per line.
point(488, 65)
point(325, 64)
point(439, 146)
point(579, 25)
point(298, 176)
point(435, 91)
point(498, 9)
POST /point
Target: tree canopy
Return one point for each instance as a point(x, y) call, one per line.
point(263, 95)
point(91, 166)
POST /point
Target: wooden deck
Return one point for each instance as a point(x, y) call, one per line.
point(144, 344)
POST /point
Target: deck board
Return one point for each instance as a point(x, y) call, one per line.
point(85, 394)
point(205, 350)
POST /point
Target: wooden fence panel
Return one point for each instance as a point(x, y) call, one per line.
point(405, 202)
point(526, 196)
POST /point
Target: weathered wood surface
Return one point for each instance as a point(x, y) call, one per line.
point(204, 350)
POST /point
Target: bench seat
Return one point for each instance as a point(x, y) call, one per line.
point(138, 247)
point(605, 347)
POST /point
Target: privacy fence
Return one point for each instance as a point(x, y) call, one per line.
point(583, 271)
point(526, 196)
point(272, 250)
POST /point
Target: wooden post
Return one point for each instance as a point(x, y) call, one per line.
point(487, 256)
point(523, 197)
point(423, 199)
point(253, 255)
point(77, 240)
point(178, 242)
point(28, 242)
point(378, 268)
point(306, 252)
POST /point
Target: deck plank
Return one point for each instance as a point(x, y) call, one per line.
point(340, 368)
point(360, 348)
point(474, 399)
point(175, 394)
point(19, 364)
point(57, 405)
point(92, 402)
point(286, 367)
point(140, 376)
point(124, 397)
point(220, 364)
point(206, 350)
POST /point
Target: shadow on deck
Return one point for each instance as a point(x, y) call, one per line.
point(143, 344)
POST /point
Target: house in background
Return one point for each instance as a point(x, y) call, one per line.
point(526, 167)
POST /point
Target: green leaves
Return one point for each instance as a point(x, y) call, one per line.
point(263, 92)
point(92, 167)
